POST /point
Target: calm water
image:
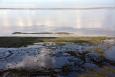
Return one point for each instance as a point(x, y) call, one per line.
point(81, 22)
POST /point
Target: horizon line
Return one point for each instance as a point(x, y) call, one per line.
point(89, 8)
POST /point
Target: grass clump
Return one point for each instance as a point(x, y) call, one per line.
point(24, 41)
point(78, 40)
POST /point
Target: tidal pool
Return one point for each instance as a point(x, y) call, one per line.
point(51, 60)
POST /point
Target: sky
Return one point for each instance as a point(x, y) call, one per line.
point(82, 22)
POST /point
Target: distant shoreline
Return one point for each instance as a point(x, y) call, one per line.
point(66, 33)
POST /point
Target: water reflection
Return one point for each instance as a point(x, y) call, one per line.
point(111, 53)
point(36, 62)
point(65, 60)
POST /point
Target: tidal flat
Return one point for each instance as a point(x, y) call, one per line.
point(57, 57)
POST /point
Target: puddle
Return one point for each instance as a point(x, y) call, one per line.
point(110, 54)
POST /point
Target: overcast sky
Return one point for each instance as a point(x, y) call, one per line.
point(55, 3)
point(84, 21)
